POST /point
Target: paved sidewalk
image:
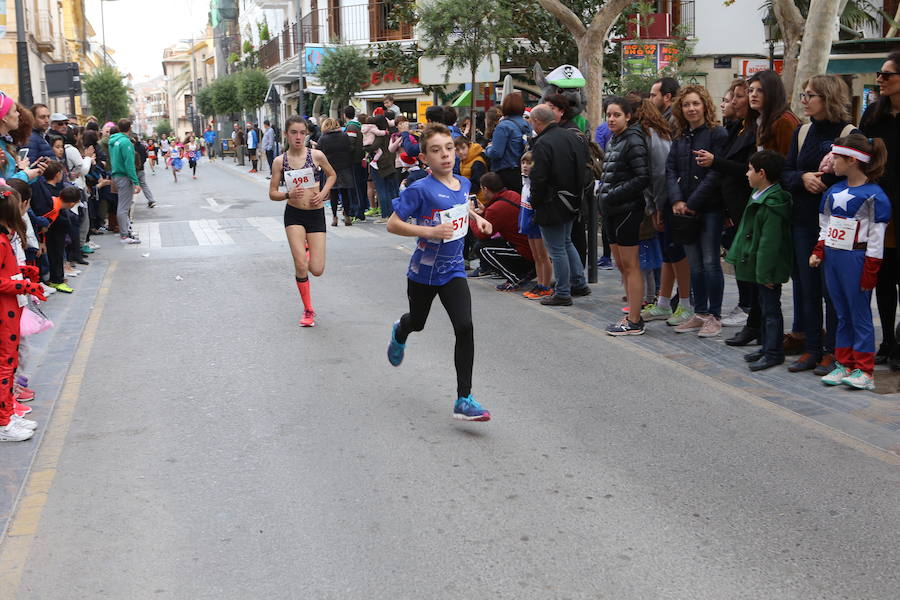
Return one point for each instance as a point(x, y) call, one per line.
point(873, 418)
point(51, 357)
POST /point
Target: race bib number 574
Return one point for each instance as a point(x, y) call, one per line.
point(458, 216)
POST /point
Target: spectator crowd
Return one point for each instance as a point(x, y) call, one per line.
point(685, 183)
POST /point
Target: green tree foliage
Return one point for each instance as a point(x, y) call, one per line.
point(252, 87)
point(226, 99)
point(343, 71)
point(163, 128)
point(464, 32)
point(107, 94)
point(205, 101)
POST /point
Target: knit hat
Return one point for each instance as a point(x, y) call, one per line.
point(407, 159)
point(378, 112)
point(566, 76)
point(6, 105)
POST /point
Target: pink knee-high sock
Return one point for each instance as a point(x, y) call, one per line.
point(303, 286)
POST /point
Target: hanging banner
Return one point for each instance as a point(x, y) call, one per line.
point(755, 65)
point(668, 55)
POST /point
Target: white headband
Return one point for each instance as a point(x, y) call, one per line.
point(852, 152)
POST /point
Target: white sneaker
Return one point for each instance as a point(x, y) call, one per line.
point(12, 432)
point(736, 318)
point(23, 423)
point(72, 273)
point(93, 246)
point(48, 290)
point(129, 240)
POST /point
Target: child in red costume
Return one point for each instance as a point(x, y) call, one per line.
point(15, 284)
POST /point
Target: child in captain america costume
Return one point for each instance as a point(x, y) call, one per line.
point(853, 216)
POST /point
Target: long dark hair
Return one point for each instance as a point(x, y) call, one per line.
point(11, 212)
point(775, 103)
point(883, 104)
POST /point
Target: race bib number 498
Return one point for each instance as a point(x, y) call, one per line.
point(302, 178)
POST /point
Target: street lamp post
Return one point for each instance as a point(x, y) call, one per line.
point(770, 24)
point(103, 30)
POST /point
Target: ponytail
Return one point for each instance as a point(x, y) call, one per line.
point(874, 147)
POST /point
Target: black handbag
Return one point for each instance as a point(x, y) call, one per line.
point(685, 229)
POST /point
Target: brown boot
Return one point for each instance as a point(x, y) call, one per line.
point(113, 225)
point(348, 220)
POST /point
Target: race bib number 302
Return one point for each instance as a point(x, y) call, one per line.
point(841, 233)
point(300, 178)
point(459, 217)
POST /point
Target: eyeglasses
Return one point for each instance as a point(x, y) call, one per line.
point(804, 97)
point(885, 74)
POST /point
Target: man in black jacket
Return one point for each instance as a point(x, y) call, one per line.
point(556, 185)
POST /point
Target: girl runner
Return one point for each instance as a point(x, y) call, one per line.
point(304, 216)
point(193, 153)
point(853, 216)
point(164, 148)
point(440, 205)
point(177, 161)
point(151, 155)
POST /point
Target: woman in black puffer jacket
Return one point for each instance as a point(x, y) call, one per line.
point(338, 149)
point(626, 173)
point(695, 190)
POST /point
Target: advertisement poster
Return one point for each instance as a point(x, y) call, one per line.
point(667, 55)
point(755, 65)
point(639, 59)
point(870, 95)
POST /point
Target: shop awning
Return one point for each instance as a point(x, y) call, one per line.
point(315, 89)
point(464, 99)
point(417, 91)
point(850, 66)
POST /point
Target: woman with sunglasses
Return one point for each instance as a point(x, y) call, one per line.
point(825, 100)
point(882, 120)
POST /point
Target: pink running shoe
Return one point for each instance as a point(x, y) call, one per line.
point(22, 393)
point(20, 409)
point(309, 319)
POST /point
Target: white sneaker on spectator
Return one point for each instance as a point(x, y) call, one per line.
point(93, 246)
point(23, 422)
point(69, 273)
point(736, 318)
point(129, 240)
point(48, 290)
point(12, 432)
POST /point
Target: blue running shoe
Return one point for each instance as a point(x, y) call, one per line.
point(395, 348)
point(605, 263)
point(467, 409)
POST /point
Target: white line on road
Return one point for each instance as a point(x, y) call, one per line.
point(209, 233)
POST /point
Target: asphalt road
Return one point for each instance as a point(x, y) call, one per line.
point(216, 450)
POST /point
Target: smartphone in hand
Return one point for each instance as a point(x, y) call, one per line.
point(23, 153)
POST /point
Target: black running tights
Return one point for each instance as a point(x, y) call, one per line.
point(457, 302)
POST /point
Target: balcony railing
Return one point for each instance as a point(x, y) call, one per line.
point(354, 24)
point(43, 33)
point(685, 18)
point(270, 53)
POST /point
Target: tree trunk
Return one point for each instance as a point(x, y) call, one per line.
point(589, 41)
point(472, 109)
point(818, 33)
point(791, 23)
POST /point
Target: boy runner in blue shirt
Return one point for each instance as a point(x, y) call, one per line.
point(439, 203)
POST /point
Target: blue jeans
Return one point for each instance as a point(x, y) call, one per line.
point(809, 291)
point(704, 255)
point(771, 331)
point(387, 189)
point(567, 266)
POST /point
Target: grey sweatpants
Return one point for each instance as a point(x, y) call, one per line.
point(145, 189)
point(126, 199)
